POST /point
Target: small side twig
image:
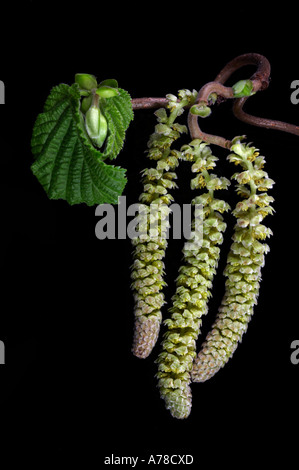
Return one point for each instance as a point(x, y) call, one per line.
point(203, 97)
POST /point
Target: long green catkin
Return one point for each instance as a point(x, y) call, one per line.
point(149, 248)
point(244, 263)
point(193, 285)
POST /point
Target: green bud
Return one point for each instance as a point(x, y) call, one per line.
point(242, 88)
point(107, 92)
point(86, 81)
point(93, 121)
point(201, 110)
point(96, 125)
point(109, 82)
point(84, 92)
point(213, 97)
point(86, 103)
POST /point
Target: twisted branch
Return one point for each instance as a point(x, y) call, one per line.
point(203, 97)
point(261, 122)
point(260, 81)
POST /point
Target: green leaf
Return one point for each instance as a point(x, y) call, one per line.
point(66, 163)
point(118, 112)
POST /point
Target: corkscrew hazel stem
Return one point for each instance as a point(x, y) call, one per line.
point(262, 122)
point(260, 81)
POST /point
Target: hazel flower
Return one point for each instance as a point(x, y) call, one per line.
point(193, 289)
point(243, 270)
point(149, 248)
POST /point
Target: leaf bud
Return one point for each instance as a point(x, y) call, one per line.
point(96, 125)
point(107, 92)
point(86, 81)
point(242, 88)
point(201, 109)
point(109, 82)
point(86, 103)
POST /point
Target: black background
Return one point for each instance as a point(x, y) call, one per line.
point(71, 387)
